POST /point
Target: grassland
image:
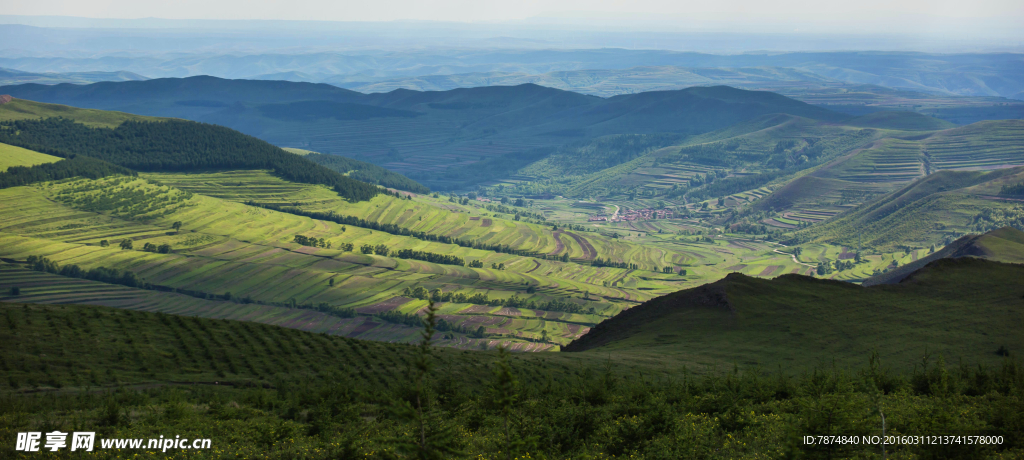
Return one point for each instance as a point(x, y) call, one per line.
point(17, 156)
point(21, 109)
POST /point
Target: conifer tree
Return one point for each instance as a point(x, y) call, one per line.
point(432, 438)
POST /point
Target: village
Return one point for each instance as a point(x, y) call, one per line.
point(630, 215)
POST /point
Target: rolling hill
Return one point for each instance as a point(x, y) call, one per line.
point(424, 134)
point(234, 227)
point(933, 210)
point(837, 95)
point(1003, 245)
point(794, 321)
point(888, 160)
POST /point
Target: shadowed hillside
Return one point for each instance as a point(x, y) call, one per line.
point(1004, 245)
point(800, 321)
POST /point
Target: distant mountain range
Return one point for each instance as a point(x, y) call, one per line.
point(15, 77)
point(996, 74)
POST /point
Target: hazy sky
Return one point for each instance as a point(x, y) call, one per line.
point(972, 17)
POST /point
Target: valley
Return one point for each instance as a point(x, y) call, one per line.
point(712, 252)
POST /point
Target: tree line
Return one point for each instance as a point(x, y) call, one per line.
point(445, 259)
point(316, 242)
point(479, 298)
point(599, 262)
point(175, 145)
point(393, 229)
point(412, 320)
point(73, 166)
point(1012, 190)
point(101, 274)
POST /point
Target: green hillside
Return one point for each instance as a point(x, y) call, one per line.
point(526, 282)
point(256, 390)
point(789, 321)
point(934, 210)
point(1004, 245)
point(237, 291)
point(299, 152)
point(21, 109)
point(743, 157)
point(17, 156)
point(895, 159)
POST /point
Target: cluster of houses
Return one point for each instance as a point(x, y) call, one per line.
point(629, 215)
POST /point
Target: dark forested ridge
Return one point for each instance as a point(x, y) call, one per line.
point(175, 145)
point(497, 129)
point(367, 172)
point(77, 166)
point(313, 110)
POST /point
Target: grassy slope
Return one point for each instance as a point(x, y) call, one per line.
point(20, 109)
point(299, 152)
point(959, 308)
point(926, 212)
point(897, 158)
point(17, 156)
point(1004, 245)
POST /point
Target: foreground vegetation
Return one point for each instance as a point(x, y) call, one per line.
point(267, 392)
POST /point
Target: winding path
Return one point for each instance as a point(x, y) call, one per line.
point(791, 255)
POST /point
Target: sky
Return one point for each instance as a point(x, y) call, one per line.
point(970, 19)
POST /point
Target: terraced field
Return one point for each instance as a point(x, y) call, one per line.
point(226, 249)
point(437, 216)
point(889, 160)
point(226, 246)
point(980, 146)
point(897, 160)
